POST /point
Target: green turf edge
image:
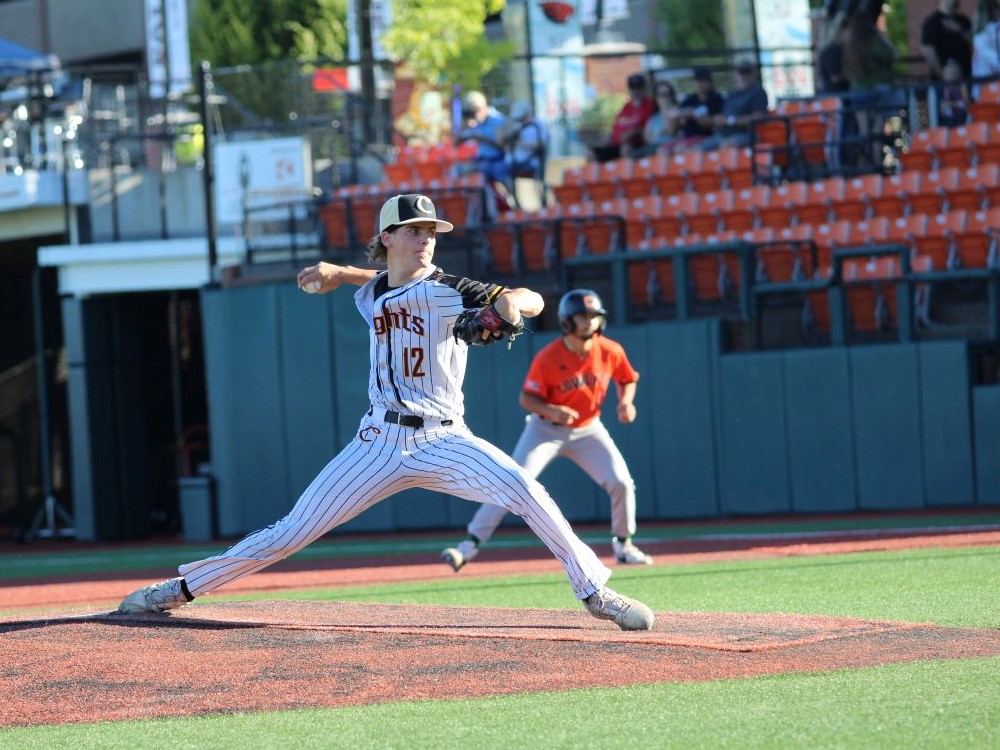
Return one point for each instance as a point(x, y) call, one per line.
point(935, 704)
point(76, 560)
point(954, 587)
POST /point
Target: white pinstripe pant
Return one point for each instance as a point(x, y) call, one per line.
point(384, 459)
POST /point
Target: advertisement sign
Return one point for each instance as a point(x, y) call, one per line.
point(784, 33)
point(265, 171)
point(168, 53)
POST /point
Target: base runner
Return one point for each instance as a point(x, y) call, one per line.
point(421, 322)
point(564, 390)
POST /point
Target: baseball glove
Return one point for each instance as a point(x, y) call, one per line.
point(485, 326)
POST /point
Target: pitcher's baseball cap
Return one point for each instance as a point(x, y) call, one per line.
point(409, 209)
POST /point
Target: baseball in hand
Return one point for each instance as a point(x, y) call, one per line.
point(312, 287)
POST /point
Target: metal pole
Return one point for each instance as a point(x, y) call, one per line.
point(67, 223)
point(115, 229)
point(51, 508)
point(208, 171)
point(756, 36)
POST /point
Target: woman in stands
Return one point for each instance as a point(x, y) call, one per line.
point(661, 128)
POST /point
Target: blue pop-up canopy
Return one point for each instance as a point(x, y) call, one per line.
point(16, 59)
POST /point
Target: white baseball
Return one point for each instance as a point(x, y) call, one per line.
point(313, 287)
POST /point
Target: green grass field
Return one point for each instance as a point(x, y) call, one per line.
point(936, 704)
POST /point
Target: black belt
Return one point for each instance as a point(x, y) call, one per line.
point(411, 420)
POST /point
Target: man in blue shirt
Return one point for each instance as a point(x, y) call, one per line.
point(743, 105)
point(484, 125)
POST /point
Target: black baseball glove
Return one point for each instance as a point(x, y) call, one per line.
point(485, 326)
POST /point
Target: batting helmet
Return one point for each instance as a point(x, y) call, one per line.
point(578, 301)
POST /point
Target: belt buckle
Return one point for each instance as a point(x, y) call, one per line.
point(404, 420)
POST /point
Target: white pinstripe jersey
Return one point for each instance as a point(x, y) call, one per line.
point(417, 366)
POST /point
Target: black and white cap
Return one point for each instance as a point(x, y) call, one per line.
point(409, 209)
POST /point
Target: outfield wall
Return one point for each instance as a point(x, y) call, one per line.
point(878, 427)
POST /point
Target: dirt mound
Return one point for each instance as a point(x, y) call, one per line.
point(249, 656)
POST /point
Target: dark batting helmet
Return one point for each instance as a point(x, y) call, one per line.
point(578, 301)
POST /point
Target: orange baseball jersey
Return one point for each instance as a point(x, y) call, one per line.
point(563, 378)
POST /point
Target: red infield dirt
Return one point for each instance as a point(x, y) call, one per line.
point(81, 664)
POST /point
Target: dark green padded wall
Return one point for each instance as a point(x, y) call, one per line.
point(986, 411)
point(754, 456)
point(243, 372)
point(866, 427)
point(683, 358)
point(635, 440)
point(821, 465)
point(946, 424)
point(886, 411)
point(305, 327)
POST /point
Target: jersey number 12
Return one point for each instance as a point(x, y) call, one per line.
point(413, 362)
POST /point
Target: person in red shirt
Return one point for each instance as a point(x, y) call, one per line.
point(627, 136)
point(564, 390)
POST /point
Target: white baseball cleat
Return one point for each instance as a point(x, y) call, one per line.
point(626, 553)
point(628, 614)
point(457, 557)
point(157, 597)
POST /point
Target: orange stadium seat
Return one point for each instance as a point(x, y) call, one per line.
point(642, 283)
point(538, 245)
point(570, 192)
point(870, 231)
point(670, 184)
point(681, 203)
point(399, 172)
point(939, 240)
point(790, 256)
point(666, 225)
point(336, 226)
point(896, 191)
point(502, 247)
point(364, 217)
point(832, 236)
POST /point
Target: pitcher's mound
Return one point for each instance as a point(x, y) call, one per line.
point(251, 656)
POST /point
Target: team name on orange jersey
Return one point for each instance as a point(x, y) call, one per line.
point(584, 380)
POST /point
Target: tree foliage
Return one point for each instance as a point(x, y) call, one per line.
point(240, 32)
point(443, 41)
point(691, 26)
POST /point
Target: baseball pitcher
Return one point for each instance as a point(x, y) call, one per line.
point(421, 322)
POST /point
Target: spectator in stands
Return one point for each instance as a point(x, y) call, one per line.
point(627, 130)
point(868, 58)
point(946, 34)
point(830, 66)
point(986, 42)
point(698, 110)
point(746, 103)
point(484, 125)
point(525, 139)
point(661, 128)
point(953, 106)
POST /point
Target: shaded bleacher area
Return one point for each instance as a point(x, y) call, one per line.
point(828, 257)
